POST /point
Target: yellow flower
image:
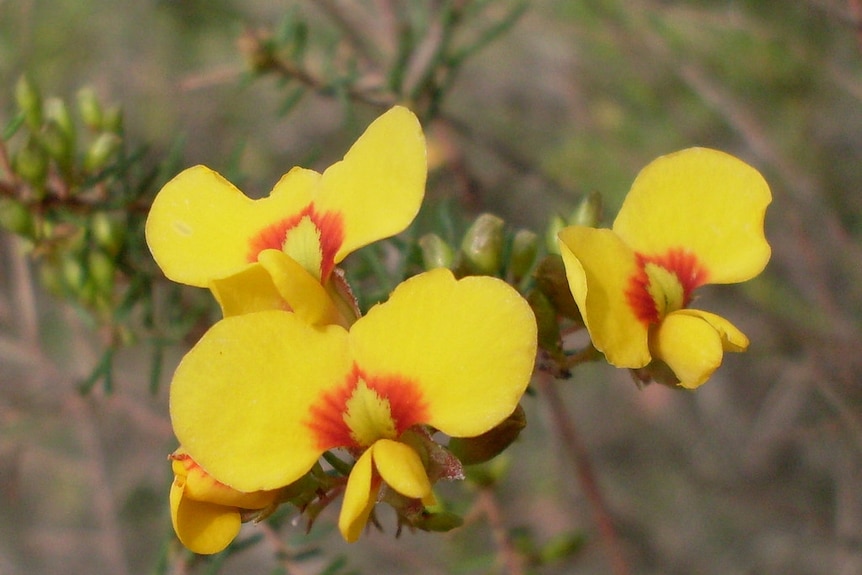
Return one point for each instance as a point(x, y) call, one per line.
point(692, 218)
point(263, 395)
point(207, 514)
point(280, 251)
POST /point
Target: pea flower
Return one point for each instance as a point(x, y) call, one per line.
point(207, 514)
point(691, 218)
point(262, 396)
point(280, 251)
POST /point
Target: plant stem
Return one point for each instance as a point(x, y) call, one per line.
point(513, 562)
point(575, 447)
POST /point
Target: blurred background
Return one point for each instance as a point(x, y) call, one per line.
point(759, 471)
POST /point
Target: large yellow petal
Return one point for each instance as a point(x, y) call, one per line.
point(379, 185)
point(203, 528)
point(599, 267)
point(239, 398)
point(705, 200)
point(690, 346)
point(401, 468)
point(200, 225)
point(359, 498)
point(469, 347)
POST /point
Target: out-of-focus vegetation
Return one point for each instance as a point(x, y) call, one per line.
point(760, 471)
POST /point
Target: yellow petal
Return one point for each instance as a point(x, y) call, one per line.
point(731, 338)
point(239, 398)
point(249, 290)
point(401, 468)
point(599, 267)
point(379, 186)
point(359, 498)
point(706, 201)
point(200, 225)
point(201, 486)
point(302, 291)
point(469, 347)
point(203, 528)
point(690, 346)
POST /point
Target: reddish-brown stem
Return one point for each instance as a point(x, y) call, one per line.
point(570, 437)
point(512, 561)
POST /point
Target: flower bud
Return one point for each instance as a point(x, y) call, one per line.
point(549, 338)
point(482, 246)
point(31, 163)
point(525, 245)
point(101, 269)
point(436, 253)
point(112, 120)
point(588, 212)
point(56, 143)
point(109, 232)
point(551, 281)
point(101, 151)
point(15, 217)
point(90, 108)
point(472, 450)
point(73, 273)
point(556, 224)
point(57, 110)
point(29, 101)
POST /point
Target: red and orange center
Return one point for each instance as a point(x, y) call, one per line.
point(664, 283)
point(365, 409)
point(310, 237)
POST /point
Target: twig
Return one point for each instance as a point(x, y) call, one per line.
point(104, 507)
point(586, 476)
point(513, 562)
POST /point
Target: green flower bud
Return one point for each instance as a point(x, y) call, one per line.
point(552, 281)
point(15, 217)
point(31, 163)
point(482, 246)
point(29, 101)
point(73, 273)
point(562, 546)
point(549, 337)
point(56, 143)
point(109, 231)
point(472, 450)
point(112, 120)
point(556, 224)
point(57, 110)
point(439, 521)
point(101, 270)
point(101, 151)
point(90, 108)
point(525, 246)
point(436, 253)
point(589, 211)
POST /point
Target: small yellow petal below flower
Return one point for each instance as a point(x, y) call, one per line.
point(706, 201)
point(689, 345)
point(202, 527)
point(401, 468)
point(731, 338)
point(359, 498)
point(599, 268)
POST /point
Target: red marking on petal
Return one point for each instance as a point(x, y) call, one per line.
point(682, 263)
point(407, 408)
point(330, 225)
